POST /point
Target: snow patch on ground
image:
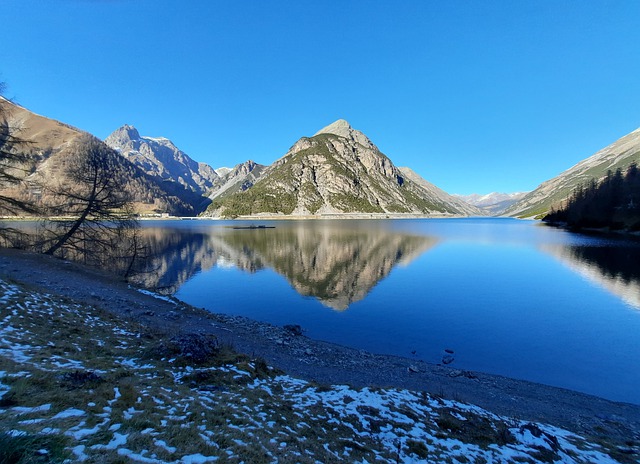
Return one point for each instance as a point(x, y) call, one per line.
point(228, 412)
point(156, 295)
point(71, 412)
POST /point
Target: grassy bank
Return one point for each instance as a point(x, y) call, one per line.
point(78, 384)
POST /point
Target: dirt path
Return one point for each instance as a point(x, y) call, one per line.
point(322, 362)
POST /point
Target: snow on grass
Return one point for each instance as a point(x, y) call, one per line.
point(71, 412)
point(12, 349)
point(151, 410)
point(26, 410)
point(158, 296)
point(116, 442)
point(79, 433)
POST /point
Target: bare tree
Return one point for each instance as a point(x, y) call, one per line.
point(93, 213)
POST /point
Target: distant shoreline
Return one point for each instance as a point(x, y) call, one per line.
point(597, 231)
point(349, 216)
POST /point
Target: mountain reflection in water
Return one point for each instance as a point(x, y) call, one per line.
point(614, 268)
point(513, 298)
point(336, 265)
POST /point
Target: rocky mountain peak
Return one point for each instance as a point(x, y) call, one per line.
point(338, 170)
point(239, 178)
point(122, 137)
point(127, 131)
point(131, 131)
point(160, 158)
point(245, 167)
point(342, 128)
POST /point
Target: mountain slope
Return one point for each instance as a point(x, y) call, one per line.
point(437, 195)
point(236, 179)
point(159, 157)
point(49, 144)
point(619, 154)
point(338, 170)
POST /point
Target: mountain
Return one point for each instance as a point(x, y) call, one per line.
point(237, 179)
point(439, 196)
point(493, 203)
point(159, 157)
point(49, 143)
point(619, 154)
point(336, 171)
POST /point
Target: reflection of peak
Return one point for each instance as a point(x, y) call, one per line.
point(613, 268)
point(336, 266)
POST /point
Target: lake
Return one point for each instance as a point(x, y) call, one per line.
point(508, 297)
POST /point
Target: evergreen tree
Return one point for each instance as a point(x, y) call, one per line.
point(614, 202)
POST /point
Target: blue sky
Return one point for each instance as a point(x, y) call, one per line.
point(476, 96)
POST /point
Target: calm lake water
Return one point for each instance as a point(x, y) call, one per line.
point(508, 297)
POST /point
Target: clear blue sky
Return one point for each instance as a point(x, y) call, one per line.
point(476, 96)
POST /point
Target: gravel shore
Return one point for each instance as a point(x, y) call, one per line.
point(322, 362)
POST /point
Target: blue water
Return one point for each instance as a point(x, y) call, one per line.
point(509, 297)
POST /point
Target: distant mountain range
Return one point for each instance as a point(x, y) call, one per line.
point(493, 203)
point(49, 143)
point(620, 154)
point(337, 171)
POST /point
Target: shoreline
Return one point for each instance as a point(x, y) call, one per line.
point(606, 231)
point(265, 217)
point(323, 362)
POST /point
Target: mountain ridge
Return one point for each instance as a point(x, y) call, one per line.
point(494, 203)
point(159, 157)
point(49, 143)
point(619, 154)
point(237, 179)
point(337, 171)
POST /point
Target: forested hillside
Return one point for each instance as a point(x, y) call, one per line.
point(613, 203)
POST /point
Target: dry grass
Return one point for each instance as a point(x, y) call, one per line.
point(77, 383)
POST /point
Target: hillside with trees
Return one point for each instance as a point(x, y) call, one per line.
point(556, 191)
point(612, 203)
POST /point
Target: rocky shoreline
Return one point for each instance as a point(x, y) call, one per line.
point(321, 362)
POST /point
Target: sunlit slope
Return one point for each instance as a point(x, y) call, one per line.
point(619, 154)
point(338, 170)
point(47, 146)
